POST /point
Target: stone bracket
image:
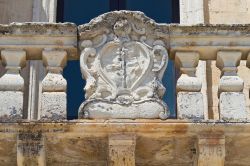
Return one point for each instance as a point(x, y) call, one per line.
point(12, 85)
point(122, 149)
point(232, 102)
point(210, 150)
point(190, 105)
point(31, 149)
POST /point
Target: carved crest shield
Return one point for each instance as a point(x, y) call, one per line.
point(123, 61)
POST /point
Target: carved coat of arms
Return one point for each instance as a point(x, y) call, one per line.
point(123, 61)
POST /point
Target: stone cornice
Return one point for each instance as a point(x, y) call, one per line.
point(38, 28)
point(34, 37)
point(105, 22)
point(208, 39)
point(205, 39)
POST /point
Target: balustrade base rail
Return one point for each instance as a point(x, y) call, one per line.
point(146, 142)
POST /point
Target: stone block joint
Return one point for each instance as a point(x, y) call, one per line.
point(189, 87)
point(12, 85)
point(53, 102)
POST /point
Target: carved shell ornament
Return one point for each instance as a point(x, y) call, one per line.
point(123, 67)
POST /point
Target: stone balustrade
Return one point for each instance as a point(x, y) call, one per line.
point(12, 85)
point(123, 56)
point(123, 61)
point(20, 43)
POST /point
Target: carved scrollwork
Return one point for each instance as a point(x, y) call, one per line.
point(123, 67)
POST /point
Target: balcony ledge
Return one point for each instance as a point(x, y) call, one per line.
point(34, 37)
point(157, 142)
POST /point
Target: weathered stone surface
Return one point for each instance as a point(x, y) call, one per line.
point(213, 79)
point(12, 81)
point(36, 28)
point(231, 84)
point(41, 13)
point(233, 106)
point(44, 13)
point(8, 149)
point(214, 11)
point(77, 150)
point(187, 62)
point(160, 143)
point(236, 153)
point(228, 12)
point(11, 105)
point(123, 61)
point(122, 150)
point(211, 12)
point(208, 39)
point(190, 105)
point(110, 110)
point(30, 149)
point(168, 142)
point(228, 61)
point(201, 74)
point(187, 83)
point(191, 12)
point(164, 151)
point(54, 61)
point(54, 82)
point(14, 61)
point(211, 150)
point(35, 37)
point(53, 106)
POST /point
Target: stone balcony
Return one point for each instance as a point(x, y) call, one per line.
point(123, 56)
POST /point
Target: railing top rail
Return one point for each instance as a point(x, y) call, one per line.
point(206, 39)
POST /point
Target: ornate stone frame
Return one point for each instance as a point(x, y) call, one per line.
point(123, 58)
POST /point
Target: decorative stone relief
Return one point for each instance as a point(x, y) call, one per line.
point(53, 100)
point(123, 58)
point(232, 102)
point(189, 87)
point(12, 85)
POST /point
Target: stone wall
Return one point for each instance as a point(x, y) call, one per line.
point(15, 11)
point(217, 12)
point(192, 141)
point(227, 11)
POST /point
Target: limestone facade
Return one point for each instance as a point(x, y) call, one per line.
point(123, 56)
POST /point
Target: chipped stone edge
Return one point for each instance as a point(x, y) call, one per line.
point(37, 28)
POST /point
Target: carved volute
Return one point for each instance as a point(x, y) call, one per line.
point(123, 58)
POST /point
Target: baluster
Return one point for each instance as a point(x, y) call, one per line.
point(53, 100)
point(12, 85)
point(231, 98)
point(189, 98)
